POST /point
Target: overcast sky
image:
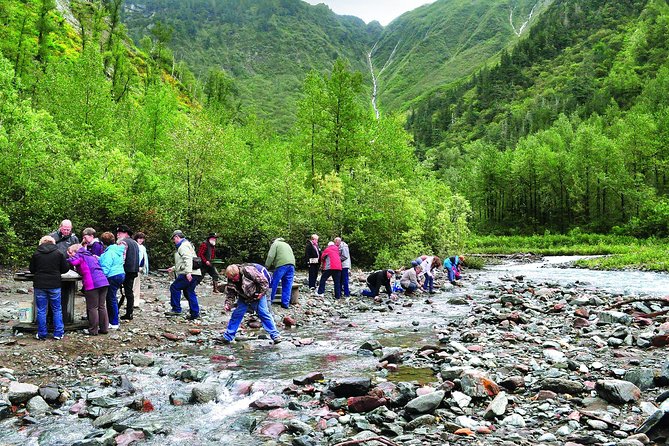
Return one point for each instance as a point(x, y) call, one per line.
point(382, 10)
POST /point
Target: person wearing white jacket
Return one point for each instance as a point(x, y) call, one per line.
point(345, 265)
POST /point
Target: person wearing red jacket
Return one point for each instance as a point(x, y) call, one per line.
point(207, 253)
point(331, 264)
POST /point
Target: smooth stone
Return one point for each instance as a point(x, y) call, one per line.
point(426, 403)
point(21, 392)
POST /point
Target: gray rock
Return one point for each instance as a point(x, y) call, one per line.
point(615, 317)
point(423, 420)
point(193, 375)
point(450, 373)
point(296, 426)
point(598, 425)
point(425, 403)
point(142, 360)
point(547, 438)
point(347, 387)
point(381, 415)
point(50, 394)
point(656, 426)
point(127, 386)
point(554, 356)
point(497, 407)
point(642, 378)
point(304, 440)
point(617, 391)
point(461, 399)
point(392, 430)
point(37, 405)
point(514, 420)
point(21, 392)
point(562, 385)
point(112, 417)
point(203, 393)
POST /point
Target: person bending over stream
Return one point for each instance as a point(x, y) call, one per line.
point(248, 287)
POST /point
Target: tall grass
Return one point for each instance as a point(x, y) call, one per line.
point(621, 252)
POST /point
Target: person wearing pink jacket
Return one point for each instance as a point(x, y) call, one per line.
point(331, 264)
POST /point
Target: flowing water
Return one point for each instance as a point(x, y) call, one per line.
point(333, 352)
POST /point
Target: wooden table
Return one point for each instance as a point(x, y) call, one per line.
point(69, 288)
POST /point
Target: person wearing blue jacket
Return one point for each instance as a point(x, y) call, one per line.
point(111, 262)
point(452, 267)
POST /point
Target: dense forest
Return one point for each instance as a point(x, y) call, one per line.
point(565, 131)
point(569, 130)
point(98, 131)
point(267, 46)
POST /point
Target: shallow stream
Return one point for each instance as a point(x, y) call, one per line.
point(333, 352)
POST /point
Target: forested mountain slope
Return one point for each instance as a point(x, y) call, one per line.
point(100, 132)
point(568, 130)
point(267, 46)
point(445, 41)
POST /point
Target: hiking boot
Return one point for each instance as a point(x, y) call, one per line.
point(57, 338)
point(226, 341)
point(39, 338)
point(113, 326)
point(126, 317)
point(277, 340)
point(172, 313)
point(192, 318)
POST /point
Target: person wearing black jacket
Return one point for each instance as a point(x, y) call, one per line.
point(378, 279)
point(312, 255)
point(47, 264)
point(131, 267)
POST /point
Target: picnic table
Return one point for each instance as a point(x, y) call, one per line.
point(69, 288)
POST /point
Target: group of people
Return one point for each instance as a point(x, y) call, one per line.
point(109, 263)
point(105, 265)
point(334, 261)
point(419, 276)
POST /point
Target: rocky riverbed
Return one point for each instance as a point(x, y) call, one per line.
point(498, 360)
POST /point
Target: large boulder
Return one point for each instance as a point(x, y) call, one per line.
point(425, 403)
point(203, 393)
point(21, 392)
point(348, 387)
point(617, 391)
point(37, 405)
point(562, 385)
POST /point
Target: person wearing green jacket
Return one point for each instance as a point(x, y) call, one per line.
point(282, 259)
point(186, 276)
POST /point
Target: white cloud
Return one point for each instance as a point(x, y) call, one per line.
point(382, 10)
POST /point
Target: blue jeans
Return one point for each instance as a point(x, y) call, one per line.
point(336, 278)
point(50, 297)
point(182, 284)
point(260, 307)
point(428, 284)
point(283, 274)
point(344, 282)
point(115, 283)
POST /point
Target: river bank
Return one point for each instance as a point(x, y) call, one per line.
point(503, 359)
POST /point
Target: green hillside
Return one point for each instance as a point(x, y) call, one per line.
point(97, 131)
point(267, 46)
point(439, 43)
point(568, 130)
